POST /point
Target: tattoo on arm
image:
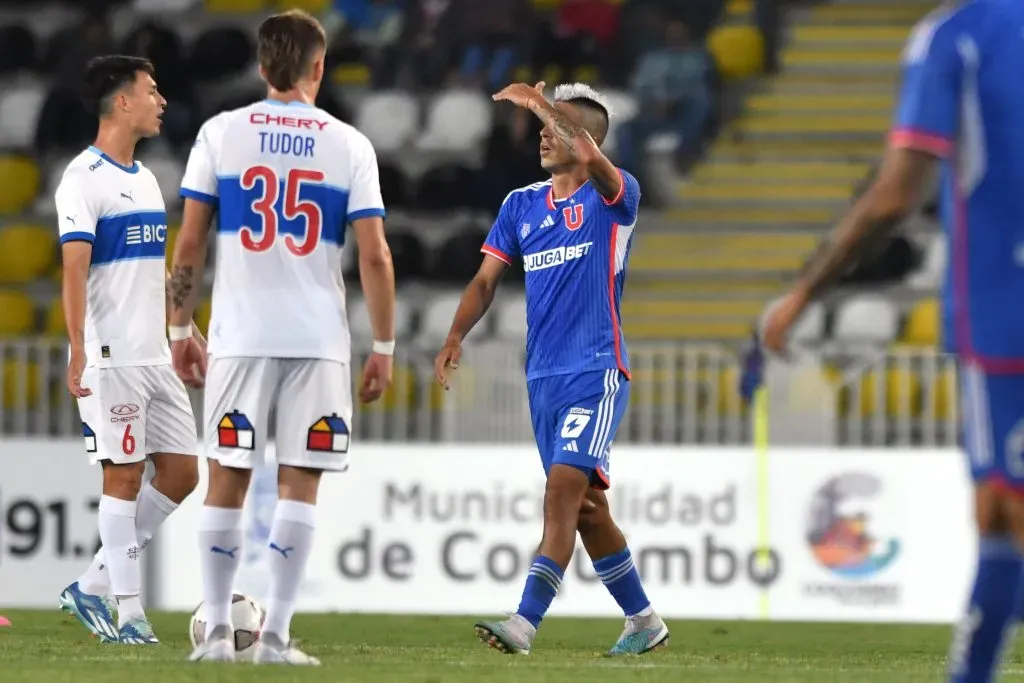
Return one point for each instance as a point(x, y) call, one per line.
point(180, 285)
point(566, 129)
point(834, 257)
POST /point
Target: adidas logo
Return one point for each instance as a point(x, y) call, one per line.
point(548, 222)
point(571, 447)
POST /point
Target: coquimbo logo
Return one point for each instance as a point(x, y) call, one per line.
point(845, 518)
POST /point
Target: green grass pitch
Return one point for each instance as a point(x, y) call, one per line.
point(47, 647)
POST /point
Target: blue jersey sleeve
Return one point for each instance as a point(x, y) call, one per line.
point(626, 205)
point(929, 106)
point(502, 241)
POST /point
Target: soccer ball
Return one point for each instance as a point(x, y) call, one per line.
point(247, 617)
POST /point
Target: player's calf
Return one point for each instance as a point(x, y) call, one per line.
point(116, 520)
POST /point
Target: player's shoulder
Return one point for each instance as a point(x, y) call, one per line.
point(80, 173)
point(526, 195)
point(213, 128)
point(945, 24)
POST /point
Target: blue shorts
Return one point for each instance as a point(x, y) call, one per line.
point(575, 418)
point(993, 417)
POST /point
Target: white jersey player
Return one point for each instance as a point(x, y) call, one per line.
point(113, 229)
point(285, 178)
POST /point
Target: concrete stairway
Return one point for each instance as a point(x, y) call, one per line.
point(777, 178)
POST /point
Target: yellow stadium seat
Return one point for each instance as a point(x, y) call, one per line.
point(201, 316)
point(19, 180)
point(351, 74)
point(17, 315)
point(55, 325)
point(172, 238)
point(902, 396)
point(738, 51)
point(26, 252)
point(587, 73)
point(401, 393)
point(739, 8)
point(922, 327)
point(312, 6)
point(234, 6)
point(945, 395)
point(21, 385)
point(546, 5)
point(729, 400)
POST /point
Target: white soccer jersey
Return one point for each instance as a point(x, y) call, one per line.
point(120, 210)
point(286, 180)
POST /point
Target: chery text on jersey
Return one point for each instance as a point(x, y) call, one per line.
point(286, 180)
point(120, 210)
point(575, 253)
point(961, 100)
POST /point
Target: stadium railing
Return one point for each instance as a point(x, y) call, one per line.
point(680, 394)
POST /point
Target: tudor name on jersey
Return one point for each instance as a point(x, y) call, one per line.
point(549, 258)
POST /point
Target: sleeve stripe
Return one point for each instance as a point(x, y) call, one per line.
point(366, 213)
point(199, 196)
point(906, 138)
point(491, 251)
point(79, 236)
point(622, 190)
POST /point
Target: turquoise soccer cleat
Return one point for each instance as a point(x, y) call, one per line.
point(137, 632)
point(95, 612)
point(642, 634)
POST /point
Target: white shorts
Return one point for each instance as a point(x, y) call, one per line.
point(312, 400)
point(134, 412)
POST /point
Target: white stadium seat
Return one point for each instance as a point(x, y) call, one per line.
point(44, 205)
point(20, 107)
point(623, 108)
point(458, 121)
point(809, 329)
point(866, 319)
point(390, 119)
point(511, 322)
point(933, 264)
point(437, 316)
point(168, 172)
point(359, 319)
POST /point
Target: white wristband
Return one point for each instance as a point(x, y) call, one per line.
point(384, 348)
point(179, 332)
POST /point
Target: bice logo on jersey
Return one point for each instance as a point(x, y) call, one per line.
point(329, 434)
point(144, 234)
point(555, 257)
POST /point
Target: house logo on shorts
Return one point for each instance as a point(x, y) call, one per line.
point(328, 435)
point(235, 431)
point(90, 438)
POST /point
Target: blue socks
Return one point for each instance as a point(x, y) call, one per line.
point(618, 574)
point(541, 586)
point(977, 642)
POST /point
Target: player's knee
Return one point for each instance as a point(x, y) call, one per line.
point(176, 475)
point(993, 509)
point(565, 491)
point(595, 514)
point(227, 485)
point(123, 481)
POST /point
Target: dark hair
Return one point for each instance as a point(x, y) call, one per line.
point(285, 46)
point(105, 75)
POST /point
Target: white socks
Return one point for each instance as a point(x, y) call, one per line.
point(220, 550)
point(152, 509)
point(121, 548)
point(291, 539)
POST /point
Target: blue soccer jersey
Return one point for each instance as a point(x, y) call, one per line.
point(574, 252)
point(962, 101)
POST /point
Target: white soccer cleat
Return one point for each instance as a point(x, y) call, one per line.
point(270, 650)
point(218, 647)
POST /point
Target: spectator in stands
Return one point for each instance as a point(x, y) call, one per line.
point(582, 32)
point(491, 36)
point(64, 124)
point(370, 34)
point(429, 31)
point(671, 88)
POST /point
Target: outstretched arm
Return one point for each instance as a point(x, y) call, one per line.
point(604, 176)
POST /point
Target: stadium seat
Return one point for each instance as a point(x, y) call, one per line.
point(222, 51)
point(866, 319)
point(19, 112)
point(444, 188)
point(738, 51)
point(945, 395)
point(172, 239)
point(17, 315)
point(168, 172)
point(313, 6)
point(930, 274)
point(17, 49)
point(19, 180)
point(809, 329)
point(458, 121)
point(21, 382)
point(623, 108)
point(901, 396)
point(407, 254)
point(394, 186)
point(26, 253)
point(359, 319)
point(458, 258)
point(922, 327)
point(511, 322)
point(233, 6)
point(390, 119)
point(201, 316)
point(436, 318)
point(55, 325)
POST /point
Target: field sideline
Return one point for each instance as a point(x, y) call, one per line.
point(47, 647)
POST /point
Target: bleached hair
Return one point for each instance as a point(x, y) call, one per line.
point(567, 92)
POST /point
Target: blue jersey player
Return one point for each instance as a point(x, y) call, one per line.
point(962, 104)
point(573, 235)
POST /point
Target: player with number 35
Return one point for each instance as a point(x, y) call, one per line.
point(285, 179)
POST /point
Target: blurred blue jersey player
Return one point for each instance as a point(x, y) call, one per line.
point(573, 234)
point(962, 103)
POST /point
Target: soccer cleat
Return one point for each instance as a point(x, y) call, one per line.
point(514, 636)
point(642, 634)
point(137, 632)
point(95, 612)
point(271, 650)
point(219, 646)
